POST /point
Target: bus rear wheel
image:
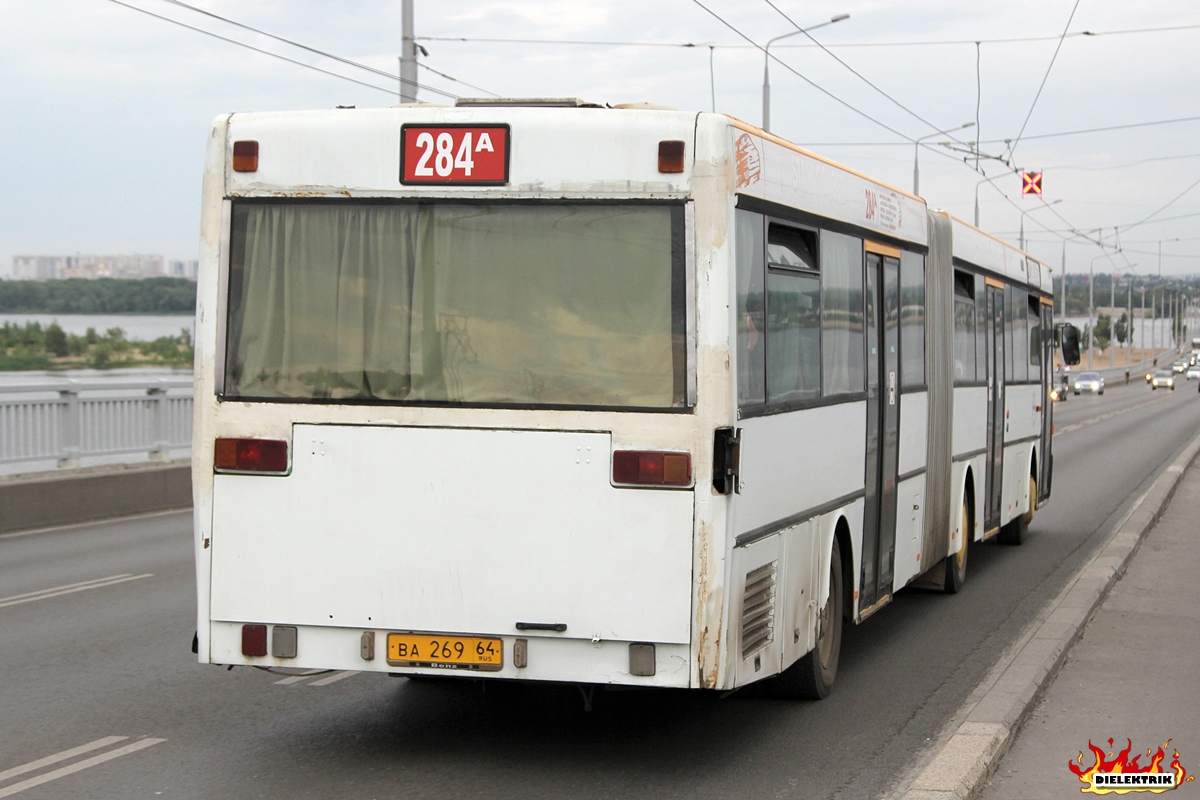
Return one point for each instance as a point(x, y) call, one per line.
point(811, 678)
point(1014, 532)
point(956, 565)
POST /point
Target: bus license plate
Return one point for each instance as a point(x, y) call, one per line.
point(462, 652)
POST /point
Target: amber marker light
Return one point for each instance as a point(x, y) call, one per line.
point(670, 155)
point(245, 156)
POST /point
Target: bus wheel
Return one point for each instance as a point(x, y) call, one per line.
point(1014, 532)
point(956, 565)
point(811, 678)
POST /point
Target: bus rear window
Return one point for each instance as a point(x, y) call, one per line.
point(564, 305)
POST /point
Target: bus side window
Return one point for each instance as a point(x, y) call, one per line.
point(751, 307)
point(1035, 338)
point(964, 327)
point(793, 315)
point(842, 346)
point(983, 323)
point(912, 320)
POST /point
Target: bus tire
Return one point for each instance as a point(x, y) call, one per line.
point(811, 678)
point(956, 565)
point(1014, 532)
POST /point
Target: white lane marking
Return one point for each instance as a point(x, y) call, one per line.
point(81, 584)
point(71, 588)
point(301, 677)
point(63, 756)
point(334, 678)
point(1093, 420)
point(81, 525)
point(8, 791)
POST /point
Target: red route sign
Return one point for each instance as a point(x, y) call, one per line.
point(459, 154)
point(1031, 183)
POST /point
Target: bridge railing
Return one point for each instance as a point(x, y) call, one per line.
point(66, 422)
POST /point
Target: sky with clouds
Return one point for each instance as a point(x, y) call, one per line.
point(107, 104)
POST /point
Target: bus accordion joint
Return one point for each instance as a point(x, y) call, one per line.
point(251, 455)
point(651, 468)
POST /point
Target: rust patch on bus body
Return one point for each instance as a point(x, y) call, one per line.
point(708, 668)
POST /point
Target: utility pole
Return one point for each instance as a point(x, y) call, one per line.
point(1129, 326)
point(1143, 347)
point(408, 54)
point(1091, 312)
point(1112, 306)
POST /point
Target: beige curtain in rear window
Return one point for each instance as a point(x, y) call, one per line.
point(571, 305)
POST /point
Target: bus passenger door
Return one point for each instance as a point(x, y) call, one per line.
point(883, 427)
point(995, 417)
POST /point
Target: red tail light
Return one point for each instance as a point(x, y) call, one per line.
point(647, 468)
point(254, 640)
point(250, 455)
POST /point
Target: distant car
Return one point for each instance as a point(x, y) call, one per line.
point(1089, 382)
point(1164, 378)
point(1180, 366)
point(1193, 372)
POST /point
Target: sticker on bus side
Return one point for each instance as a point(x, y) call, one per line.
point(454, 153)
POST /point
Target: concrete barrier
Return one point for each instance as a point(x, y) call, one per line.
point(65, 497)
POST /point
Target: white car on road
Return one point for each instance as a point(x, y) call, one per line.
point(1089, 382)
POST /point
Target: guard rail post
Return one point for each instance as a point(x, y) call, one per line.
point(70, 427)
point(158, 419)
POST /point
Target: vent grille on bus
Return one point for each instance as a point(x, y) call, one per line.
point(758, 609)
point(525, 102)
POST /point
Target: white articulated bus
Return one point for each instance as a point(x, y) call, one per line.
point(600, 395)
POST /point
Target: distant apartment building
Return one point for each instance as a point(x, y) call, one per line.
point(46, 268)
point(183, 269)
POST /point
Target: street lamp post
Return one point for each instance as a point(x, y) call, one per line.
point(917, 154)
point(1091, 328)
point(977, 185)
point(766, 98)
point(1030, 211)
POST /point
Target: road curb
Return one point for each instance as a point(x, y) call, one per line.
point(67, 497)
point(986, 725)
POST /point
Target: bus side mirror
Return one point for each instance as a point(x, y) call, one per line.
point(1068, 341)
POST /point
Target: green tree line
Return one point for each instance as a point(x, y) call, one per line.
point(101, 296)
point(30, 346)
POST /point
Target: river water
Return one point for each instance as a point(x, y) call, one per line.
point(146, 327)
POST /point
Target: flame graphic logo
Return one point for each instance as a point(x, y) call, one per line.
point(1121, 774)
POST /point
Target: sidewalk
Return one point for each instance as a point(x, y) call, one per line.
point(1115, 656)
point(1134, 675)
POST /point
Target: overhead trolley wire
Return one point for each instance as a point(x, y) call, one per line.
point(858, 74)
point(384, 73)
point(840, 45)
point(330, 55)
point(795, 72)
point(1012, 147)
point(279, 56)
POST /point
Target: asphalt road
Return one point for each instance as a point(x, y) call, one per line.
point(96, 624)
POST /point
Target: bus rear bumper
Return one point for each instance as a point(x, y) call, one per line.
point(535, 657)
